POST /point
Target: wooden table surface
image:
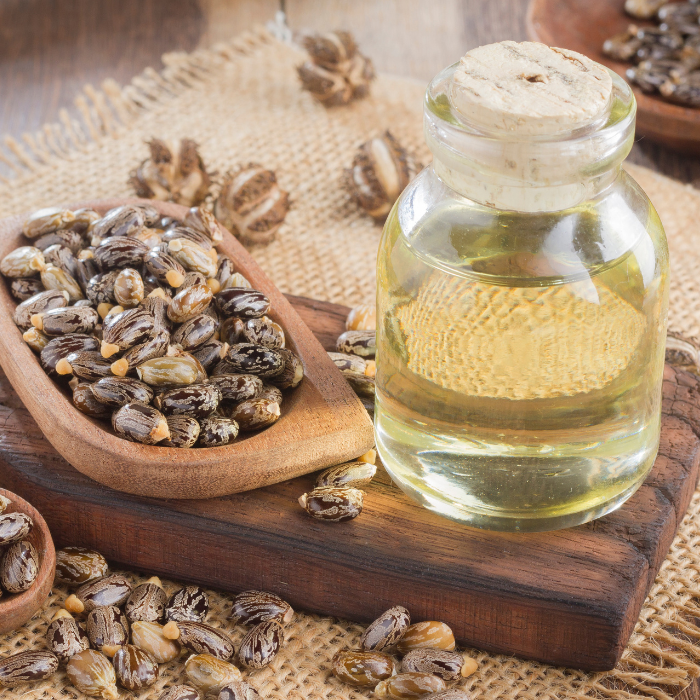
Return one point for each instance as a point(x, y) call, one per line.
point(49, 50)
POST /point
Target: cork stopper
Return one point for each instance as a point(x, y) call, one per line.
point(530, 88)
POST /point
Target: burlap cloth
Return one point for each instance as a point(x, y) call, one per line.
point(241, 101)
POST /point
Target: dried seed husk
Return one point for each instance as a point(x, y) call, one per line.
point(84, 400)
point(254, 607)
point(47, 220)
point(61, 347)
point(363, 668)
point(192, 257)
point(200, 638)
point(362, 318)
point(146, 602)
point(194, 333)
point(242, 302)
point(118, 252)
point(409, 685)
point(39, 303)
point(149, 637)
point(118, 391)
point(429, 634)
point(360, 74)
point(255, 414)
point(332, 50)
point(179, 692)
point(14, 527)
point(154, 347)
point(184, 431)
point(260, 646)
point(189, 302)
point(53, 277)
point(180, 370)
point(292, 373)
point(19, 567)
point(449, 665)
point(77, 565)
point(61, 256)
point(24, 288)
point(190, 603)
point(72, 319)
point(350, 474)
point(65, 637)
point(263, 331)
point(107, 627)
point(24, 261)
point(210, 353)
point(328, 86)
point(210, 674)
point(362, 343)
point(27, 666)
point(89, 366)
point(100, 288)
point(333, 504)
point(238, 690)
point(246, 358)
point(36, 339)
point(386, 630)
point(140, 423)
point(134, 668)
point(93, 674)
point(237, 387)
point(129, 290)
point(110, 590)
point(216, 431)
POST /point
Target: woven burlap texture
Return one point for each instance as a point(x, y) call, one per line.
point(241, 101)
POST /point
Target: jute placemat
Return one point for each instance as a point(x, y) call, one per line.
point(241, 101)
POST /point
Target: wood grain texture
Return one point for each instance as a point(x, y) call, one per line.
point(16, 609)
point(569, 597)
point(322, 421)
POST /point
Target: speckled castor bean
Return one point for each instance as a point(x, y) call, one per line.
point(78, 565)
point(260, 646)
point(27, 666)
point(386, 630)
point(254, 607)
point(409, 685)
point(149, 637)
point(429, 634)
point(146, 602)
point(348, 475)
point(19, 567)
point(210, 674)
point(238, 690)
point(93, 674)
point(179, 692)
point(14, 527)
point(134, 668)
point(107, 629)
point(449, 665)
point(333, 504)
point(363, 668)
point(65, 637)
point(200, 638)
point(110, 590)
point(188, 604)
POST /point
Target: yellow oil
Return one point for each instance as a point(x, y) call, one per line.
point(519, 362)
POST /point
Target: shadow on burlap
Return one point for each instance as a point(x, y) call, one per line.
point(241, 101)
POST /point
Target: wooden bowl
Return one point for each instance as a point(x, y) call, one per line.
point(16, 609)
point(583, 26)
point(322, 423)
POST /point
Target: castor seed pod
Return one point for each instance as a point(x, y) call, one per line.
point(120, 221)
point(189, 302)
point(242, 303)
point(65, 637)
point(362, 318)
point(190, 604)
point(61, 347)
point(332, 504)
point(78, 565)
point(180, 370)
point(38, 304)
point(118, 391)
point(210, 353)
point(179, 692)
point(19, 567)
point(140, 423)
point(84, 400)
point(350, 474)
point(200, 638)
point(238, 690)
point(210, 674)
point(36, 339)
point(93, 674)
point(184, 431)
point(148, 636)
point(27, 666)
point(196, 400)
point(100, 288)
point(202, 220)
point(14, 527)
point(107, 629)
point(146, 602)
point(154, 347)
point(451, 694)
point(361, 384)
point(134, 668)
point(363, 668)
point(331, 50)
point(24, 288)
point(329, 87)
point(386, 630)
point(129, 328)
point(129, 290)
point(192, 257)
point(89, 366)
point(255, 414)
point(24, 261)
point(165, 268)
point(362, 343)
point(194, 333)
point(4, 503)
point(196, 237)
point(292, 373)
point(47, 220)
point(246, 358)
point(73, 319)
point(429, 634)
point(61, 256)
point(263, 331)
point(53, 277)
point(215, 431)
point(254, 607)
point(118, 252)
point(237, 387)
point(409, 685)
point(449, 665)
point(110, 590)
point(260, 646)
point(271, 393)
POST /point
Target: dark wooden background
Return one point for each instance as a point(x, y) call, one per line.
point(50, 49)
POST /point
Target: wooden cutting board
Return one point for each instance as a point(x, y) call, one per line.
point(569, 597)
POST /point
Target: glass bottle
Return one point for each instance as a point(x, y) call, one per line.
point(521, 322)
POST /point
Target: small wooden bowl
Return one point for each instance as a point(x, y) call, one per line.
point(583, 26)
point(16, 609)
point(322, 423)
